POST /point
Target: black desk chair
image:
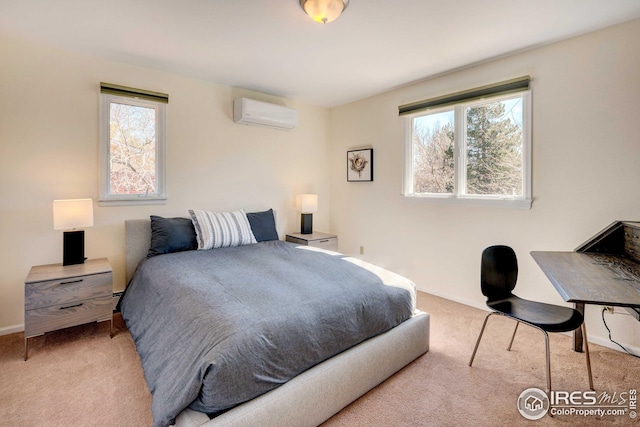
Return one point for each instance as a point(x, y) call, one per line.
point(498, 276)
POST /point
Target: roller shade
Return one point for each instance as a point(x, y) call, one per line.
point(514, 85)
point(118, 90)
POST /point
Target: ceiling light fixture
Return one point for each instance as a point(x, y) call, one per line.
point(324, 11)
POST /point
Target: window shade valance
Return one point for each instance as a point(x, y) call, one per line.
point(118, 90)
point(514, 85)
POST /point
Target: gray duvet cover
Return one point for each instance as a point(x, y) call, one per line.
point(217, 328)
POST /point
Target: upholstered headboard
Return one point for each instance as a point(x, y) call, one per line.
point(138, 236)
point(138, 240)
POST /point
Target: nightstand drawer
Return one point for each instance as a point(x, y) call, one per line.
point(315, 239)
point(59, 296)
point(330, 244)
point(67, 290)
point(41, 320)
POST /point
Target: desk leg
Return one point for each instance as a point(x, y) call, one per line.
point(577, 334)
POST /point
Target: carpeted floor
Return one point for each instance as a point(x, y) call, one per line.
point(73, 377)
point(80, 377)
point(440, 389)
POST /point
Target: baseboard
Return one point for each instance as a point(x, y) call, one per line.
point(607, 343)
point(8, 330)
point(474, 304)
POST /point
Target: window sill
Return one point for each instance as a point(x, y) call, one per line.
point(468, 201)
point(133, 201)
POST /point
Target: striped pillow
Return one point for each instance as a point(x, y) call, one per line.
point(221, 229)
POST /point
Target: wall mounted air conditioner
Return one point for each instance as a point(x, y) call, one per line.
point(251, 112)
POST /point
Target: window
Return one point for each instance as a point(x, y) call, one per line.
point(132, 146)
point(470, 148)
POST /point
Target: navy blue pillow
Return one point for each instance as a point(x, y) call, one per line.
point(171, 235)
point(263, 225)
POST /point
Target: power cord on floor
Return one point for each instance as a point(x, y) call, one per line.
point(611, 339)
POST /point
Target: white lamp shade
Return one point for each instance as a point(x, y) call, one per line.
point(307, 203)
point(74, 213)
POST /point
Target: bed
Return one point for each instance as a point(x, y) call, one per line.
point(311, 396)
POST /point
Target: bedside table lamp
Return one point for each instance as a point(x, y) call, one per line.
point(69, 215)
point(307, 204)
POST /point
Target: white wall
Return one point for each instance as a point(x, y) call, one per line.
point(586, 151)
point(586, 170)
point(49, 150)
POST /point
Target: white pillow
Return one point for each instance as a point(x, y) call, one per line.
point(221, 229)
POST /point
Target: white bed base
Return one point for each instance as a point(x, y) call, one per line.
point(320, 392)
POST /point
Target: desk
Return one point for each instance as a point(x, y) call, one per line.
point(591, 278)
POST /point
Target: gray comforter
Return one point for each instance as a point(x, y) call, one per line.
point(217, 328)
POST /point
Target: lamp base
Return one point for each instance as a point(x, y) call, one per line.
point(73, 249)
point(306, 223)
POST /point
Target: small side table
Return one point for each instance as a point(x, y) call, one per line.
point(316, 239)
point(57, 297)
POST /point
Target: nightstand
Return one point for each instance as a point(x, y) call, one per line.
point(57, 297)
point(316, 239)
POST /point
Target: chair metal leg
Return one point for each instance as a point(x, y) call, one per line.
point(547, 348)
point(513, 336)
point(546, 341)
point(586, 353)
point(480, 337)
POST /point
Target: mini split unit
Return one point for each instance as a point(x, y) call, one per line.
point(250, 112)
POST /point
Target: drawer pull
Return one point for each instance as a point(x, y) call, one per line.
point(70, 306)
point(70, 282)
point(323, 241)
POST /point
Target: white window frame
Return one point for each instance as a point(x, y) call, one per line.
point(160, 196)
point(458, 196)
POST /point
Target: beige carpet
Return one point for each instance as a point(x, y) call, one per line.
point(73, 377)
point(440, 389)
point(80, 377)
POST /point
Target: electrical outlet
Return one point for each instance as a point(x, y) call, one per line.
point(609, 309)
point(361, 250)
